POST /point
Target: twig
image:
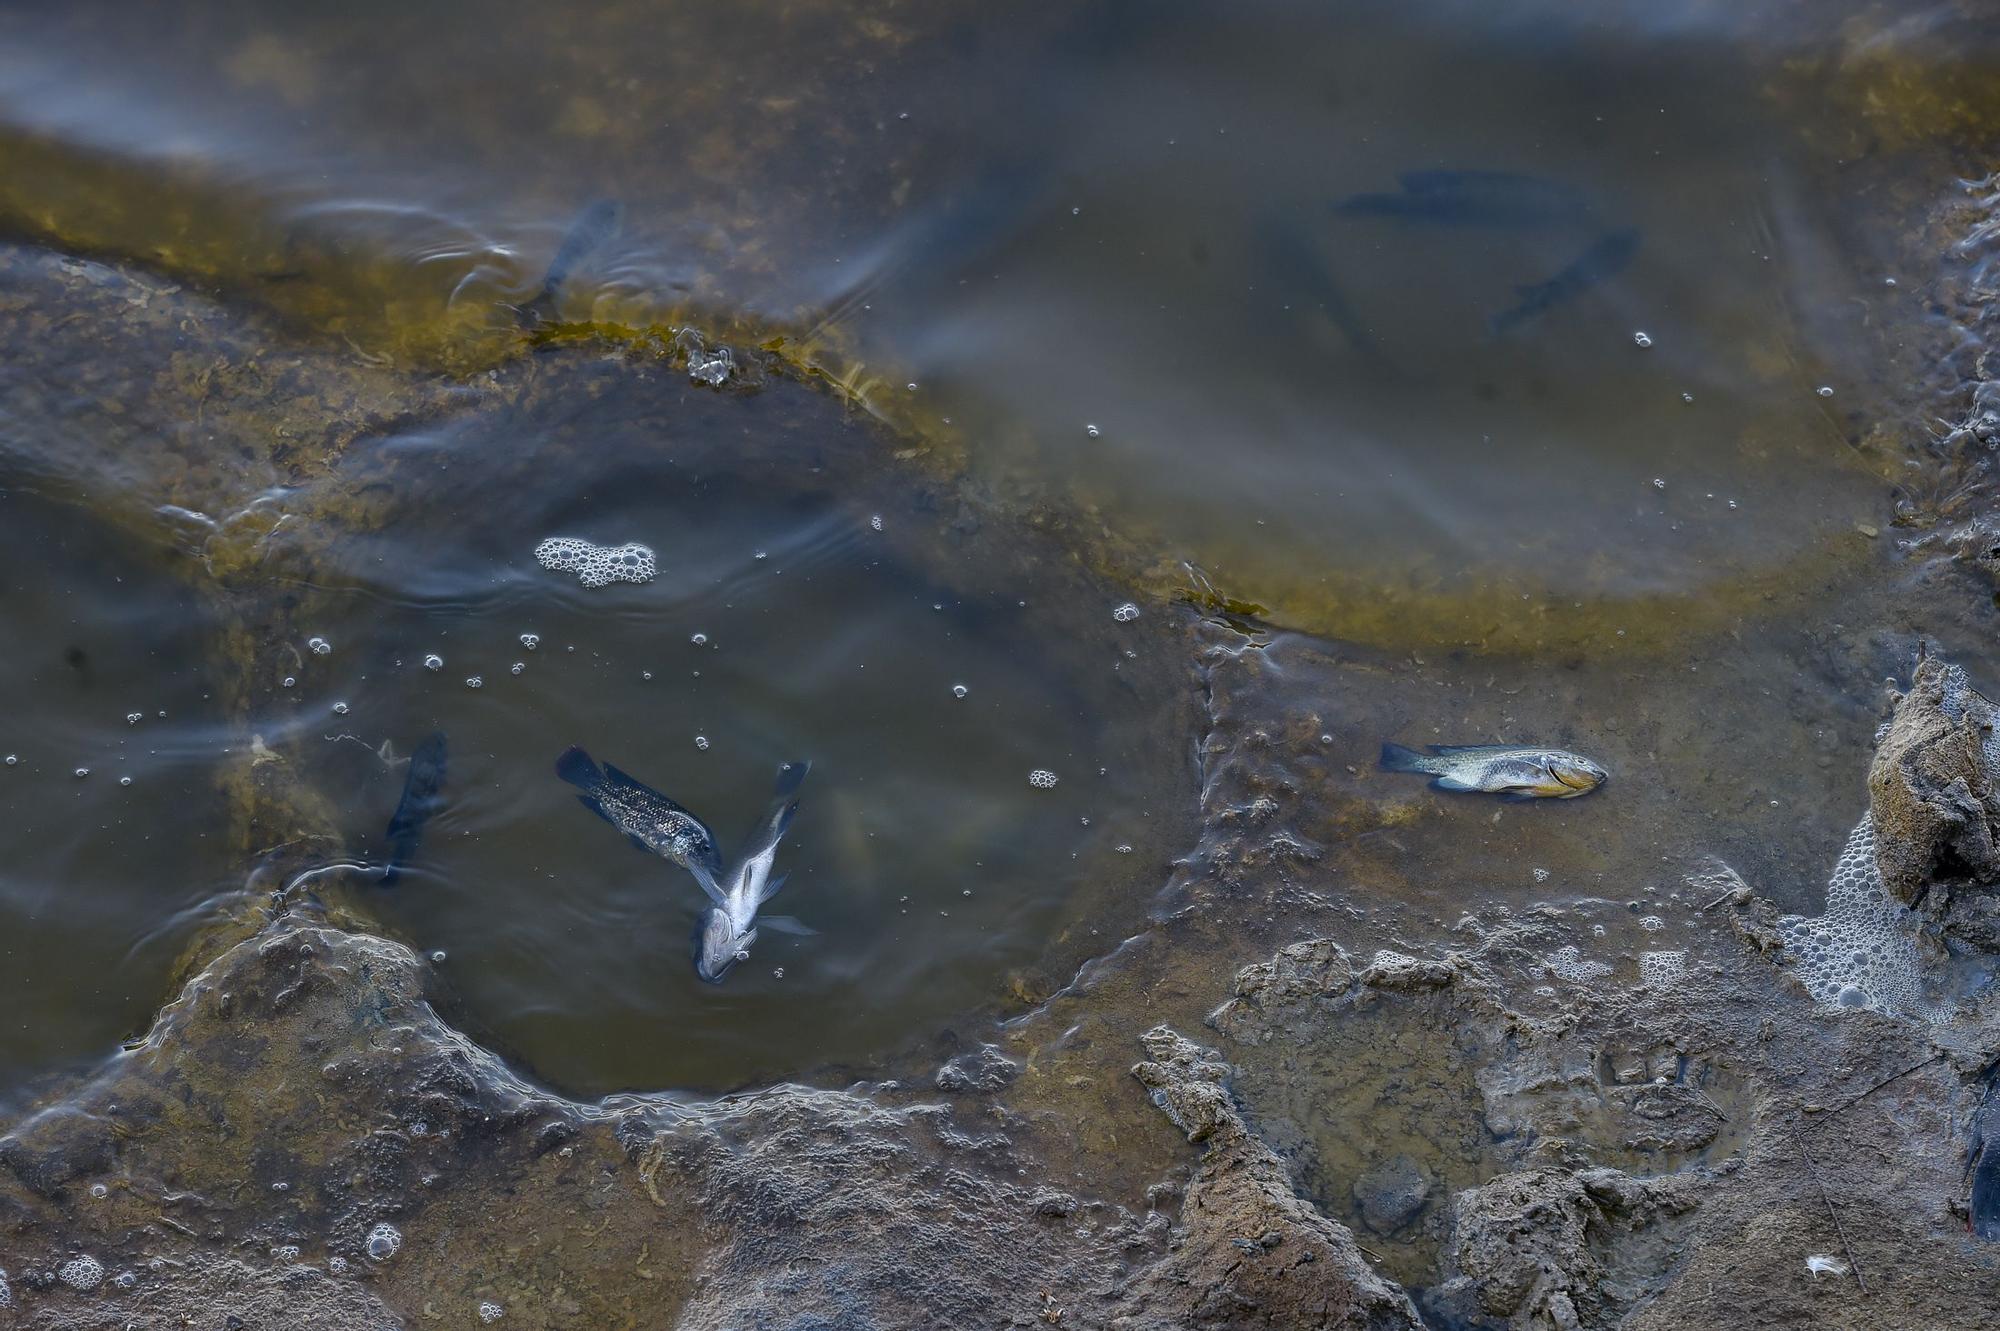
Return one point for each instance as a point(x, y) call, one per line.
point(1370, 1251)
point(1838, 1228)
point(1724, 897)
point(1894, 1076)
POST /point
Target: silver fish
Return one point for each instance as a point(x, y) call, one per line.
point(654, 823)
point(728, 928)
point(1517, 772)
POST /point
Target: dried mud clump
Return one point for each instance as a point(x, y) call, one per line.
point(1248, 1252)
point(1934, 791)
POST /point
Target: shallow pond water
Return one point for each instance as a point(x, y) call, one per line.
point(108, 752)
point(984, 757)
point(1519, 347)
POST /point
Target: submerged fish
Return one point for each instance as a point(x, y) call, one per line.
point(1519, 772)
point(1606, 258)
point(595, 227)
point(1293, 266)
point(653, 822)
point(728, 928)
point(422, 798)
point(1472, 198)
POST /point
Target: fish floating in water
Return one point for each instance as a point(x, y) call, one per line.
point(1606, 258)
point(653, 823)
point(659, 826)
point(422, 797)
point(1517, 772)
point(1472, 198)
point(728, 928)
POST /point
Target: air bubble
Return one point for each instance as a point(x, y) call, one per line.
point(433, 662)
point(98, 1190)
point(13, 759)
point(383, 1242)
point(83, 1273)
point(1126, 613)
point(517, 667)
point(291, 681)
point(124, 780)
point(1124, 848)
point(437, 958)
point(959, 690)
point(340, 709)
point(531, 640)
point(1642, 339)
point(1042, 779)
point(876, 522)
point(134, 718)
point(82, 772)
point(475, 681)
point(1659, 482)
point(490, 1313)
point(319, 646)
point(645, 674)
point(1092, 431)
point(699, 640)
point(1567, 963)
point(597, 565)
point(1824, 390)
point(701, 742)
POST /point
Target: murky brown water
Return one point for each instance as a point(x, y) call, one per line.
point(1518, 350)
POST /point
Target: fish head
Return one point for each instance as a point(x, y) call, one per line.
point(718, 946)
point(1574, 774)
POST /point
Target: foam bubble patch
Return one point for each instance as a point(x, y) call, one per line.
point(1863, 951)
point(597, 565)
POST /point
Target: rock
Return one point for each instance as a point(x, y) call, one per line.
point(1392, 1193)
point(1932, 786)
point(984, 1069)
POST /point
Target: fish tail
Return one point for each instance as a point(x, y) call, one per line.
point(576, 768)
point(1397, 758)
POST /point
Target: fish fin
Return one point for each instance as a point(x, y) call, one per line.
point(619, 778)
point(591, 803)
point(786, 924)
point(772, 887)
point(575, 767)
point(1397, 758)
point(1442, 749)
point(1452, 783)
point(705, 880)
point(638, 843)
point(1518, 797)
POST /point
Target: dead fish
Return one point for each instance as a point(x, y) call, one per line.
point(1517, 772)
point(594, 228)
point(727, 929)
point(1606, 258)
point(422, 797)
point(1472, 198)
point(651, 821)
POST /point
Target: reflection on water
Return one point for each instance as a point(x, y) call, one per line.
point(109, 742)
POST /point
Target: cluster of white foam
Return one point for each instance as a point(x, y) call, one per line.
point(83, 1273)
point(597, 565)
point(1661, 971)
point(1042, 779)
point(1567, 963)
point(1863, 951)
point(383, 1242)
